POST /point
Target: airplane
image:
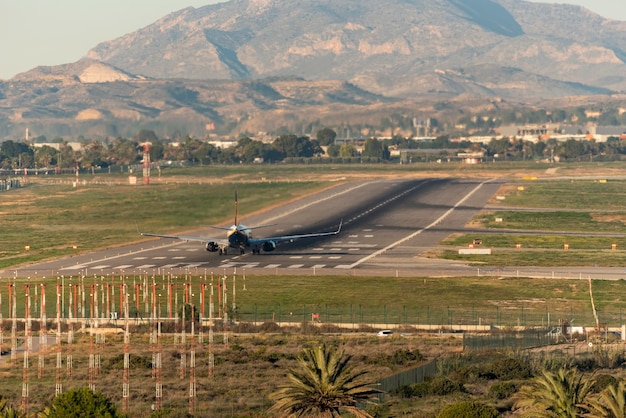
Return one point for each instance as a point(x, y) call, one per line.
point(240, 237)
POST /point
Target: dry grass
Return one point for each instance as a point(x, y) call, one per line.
point(247, 368)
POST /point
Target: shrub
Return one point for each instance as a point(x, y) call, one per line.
point(400, 357)
point(507, 368)
point(502, 390)
point(81, 403)
point(602, 381)
point(170, 413)
point(422, 389)
point(438, 386)
point(443, 386)
point(404, 391)
point(270, 327)
point(134, 362)
point(468, 409)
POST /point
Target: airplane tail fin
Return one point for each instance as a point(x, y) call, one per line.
point(236, 208)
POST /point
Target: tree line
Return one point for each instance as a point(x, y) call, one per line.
point(288, 147)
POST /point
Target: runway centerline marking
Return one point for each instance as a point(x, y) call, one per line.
point(416, 233)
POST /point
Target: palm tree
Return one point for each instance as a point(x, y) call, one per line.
point(611, 402)
point(323, 386)
point(11, 412)
point(564, 393)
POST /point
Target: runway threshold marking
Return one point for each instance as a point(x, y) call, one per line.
point(416, 233)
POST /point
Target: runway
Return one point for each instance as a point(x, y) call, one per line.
point(387, 225)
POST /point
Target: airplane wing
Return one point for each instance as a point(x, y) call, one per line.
point(182, 237)
point(219, 241)
point(276, 240)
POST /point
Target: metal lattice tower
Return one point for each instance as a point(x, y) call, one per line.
point(192, 368)
point(43, 333)
point(158, 367)
point(211, 357)
point(70, 340)
point(183, 343)
point(225, 309)
point(126, 383)
point(58, 371)
point(24, 405)
point(13, 299)
point(92, 384)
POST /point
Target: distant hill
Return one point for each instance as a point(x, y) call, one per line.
point(384, 47)
point(259, 65)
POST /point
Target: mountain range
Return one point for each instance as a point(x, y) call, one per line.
point(247, 65)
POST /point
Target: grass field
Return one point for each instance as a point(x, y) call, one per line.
point(355, 301)
point(57, 220)
point(576, 193)
point(585, 206)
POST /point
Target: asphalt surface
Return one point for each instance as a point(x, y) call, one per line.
point(387, 227)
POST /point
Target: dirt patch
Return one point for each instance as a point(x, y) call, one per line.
point(609, 217)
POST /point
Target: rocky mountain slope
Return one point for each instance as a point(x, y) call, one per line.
point(385, 47)
point(245, 66)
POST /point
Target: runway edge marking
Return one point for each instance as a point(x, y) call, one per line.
point(416, 233)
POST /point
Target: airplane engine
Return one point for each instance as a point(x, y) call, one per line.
point(212, 246)
point(269, 246)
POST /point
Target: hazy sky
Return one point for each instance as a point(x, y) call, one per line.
point(52, 32)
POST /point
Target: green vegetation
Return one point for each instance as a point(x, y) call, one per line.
point(589, 208)
point(577, 193)
point(56, 220)
point(562, 258)
point(81, 403)
point(324, 385)
point(564, 393)
point(470, 301)
point(468, 409)
point(503, 242)
point(556, 221)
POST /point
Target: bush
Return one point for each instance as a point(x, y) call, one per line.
point(134, 362)
point(502, 390)
point(443, 386)
point(404, 391)
point(468, 409)
point(602, 381)
point(421, 390)
point(81, 403)
point(270, 327)
point(170, 413)
point(439, 387)
point(507, 368)
point(400, 357)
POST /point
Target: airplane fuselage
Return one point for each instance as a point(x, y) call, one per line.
point(239, 237)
